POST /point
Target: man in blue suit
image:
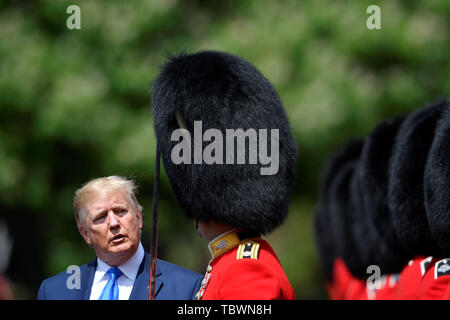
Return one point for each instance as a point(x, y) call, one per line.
point(109, 219)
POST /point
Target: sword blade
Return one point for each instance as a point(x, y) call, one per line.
point(154, 243)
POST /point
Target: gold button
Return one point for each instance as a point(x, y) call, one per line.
point(209, 269)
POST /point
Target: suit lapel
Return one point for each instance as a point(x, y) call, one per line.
point(141, 284)
point(87, 277)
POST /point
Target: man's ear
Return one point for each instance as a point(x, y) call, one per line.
point(139, 216)
point(84, 234)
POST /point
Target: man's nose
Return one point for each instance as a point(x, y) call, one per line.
point(113, 221)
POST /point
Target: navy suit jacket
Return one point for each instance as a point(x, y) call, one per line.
point(172, 283)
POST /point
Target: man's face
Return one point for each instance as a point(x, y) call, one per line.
point(112, 227)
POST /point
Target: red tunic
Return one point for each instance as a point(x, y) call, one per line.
point(436, 282)
point(244, 269)
point(411, 278)
point(387, 287)
point(344, 285)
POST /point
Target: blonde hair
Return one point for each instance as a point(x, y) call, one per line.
point(103, 185)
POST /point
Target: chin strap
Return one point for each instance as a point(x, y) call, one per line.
point(154, 244)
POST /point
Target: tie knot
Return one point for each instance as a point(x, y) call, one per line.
point(114, 272)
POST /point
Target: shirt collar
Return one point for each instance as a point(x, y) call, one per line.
point(129, 268)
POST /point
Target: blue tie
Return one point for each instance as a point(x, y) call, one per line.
point(111, 290)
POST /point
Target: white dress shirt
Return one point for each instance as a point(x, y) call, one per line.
point(125, 281)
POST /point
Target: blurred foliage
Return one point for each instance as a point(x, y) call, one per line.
point(75, 104)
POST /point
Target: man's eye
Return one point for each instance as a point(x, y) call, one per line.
point(99, 219)
point(121, 212)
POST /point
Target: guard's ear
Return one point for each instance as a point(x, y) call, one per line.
point(180, 121)
point(196, 223)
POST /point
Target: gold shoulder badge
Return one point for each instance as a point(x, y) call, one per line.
point(248, 250)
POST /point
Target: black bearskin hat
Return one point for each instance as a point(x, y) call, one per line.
point(437, 183)
point(342, 221)
point(332, 231)
point(375, 159)
point(406, 180)
point(224, 92)
point(364, 233)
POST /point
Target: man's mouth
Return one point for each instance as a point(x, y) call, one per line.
point(117, 238)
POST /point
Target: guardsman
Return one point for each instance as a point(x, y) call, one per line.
point(436, 282)
point(390, 256)
point(244, 266)
point(406, 197)
point(333, 232)
point(230, 155)
point(348, 271)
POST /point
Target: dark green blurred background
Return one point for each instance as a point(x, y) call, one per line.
point(76, 105)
